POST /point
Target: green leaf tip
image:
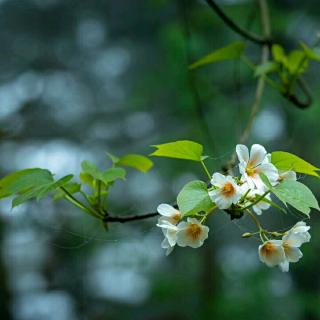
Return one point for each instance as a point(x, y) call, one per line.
point(182, 149)
point(287, 161)
point(232, 51)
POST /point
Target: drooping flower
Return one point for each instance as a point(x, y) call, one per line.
point(191, 233)
point(227, 192)
point(272, 253)
point(251, 165)
point(282, 252)
point(169, 213)
point(291, 243)
point(170, 236)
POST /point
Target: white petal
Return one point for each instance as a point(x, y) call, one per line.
point(270, 171)
point(242, 153)
point(288, 175)
point(218, 179)
point(257, 154)
point(284, 266)
point(220, 200)
point(294, 239)
point(169, 250)
point(167, 210)
point(293, 254)
point(242, 168)
point(272, 253)
point(257, 210)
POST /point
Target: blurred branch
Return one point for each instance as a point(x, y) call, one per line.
point(246, 34)
point(266, 30)
point(295, 100)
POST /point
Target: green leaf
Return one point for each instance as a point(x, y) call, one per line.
point(230, 52)
point(266, 68)
point(27, 195)
point(71, 187)
point(21, 181)
point(297, 195)
point(53, 186)
point(297, 62)
point(136, 161)
point(312, 54)
point(183, 149)
point(86, 178)
point(288, 161)
point(90, 169)
point(279, 54)
point(112, 157)
point(194, 198)
point(112, 174)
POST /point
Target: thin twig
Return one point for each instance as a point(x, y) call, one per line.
point(246, 34)
point(130, 218)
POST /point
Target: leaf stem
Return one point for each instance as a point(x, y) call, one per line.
point(79, 204)
point(205, 169)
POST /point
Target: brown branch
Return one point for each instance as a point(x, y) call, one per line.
point(124, 219)
point(246, 34)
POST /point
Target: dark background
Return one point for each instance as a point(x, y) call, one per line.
point(79, 78)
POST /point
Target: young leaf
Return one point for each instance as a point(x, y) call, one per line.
point(278, 54)
point(297, 62)
point(288, 161)
point(136, 161)
point(54, 185)
point(312, 54)
point(112, 174)
point(71, 187)
point(21, 181)
point(194, 198)
point(90, 169)
point(266, 68)
point(297, 195)
point(112, 157)
point(183, 149)
point(230, 52)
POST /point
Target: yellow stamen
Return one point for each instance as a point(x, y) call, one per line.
point(194, 231)
point(228, 190)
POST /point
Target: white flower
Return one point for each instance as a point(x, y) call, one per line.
point(228, 191)
point(191, 233)
point(291, 243)
point(251, 165)
point(170, 236)
point(168, 213)
point(272, 253)
point(282, 252)
point(300, 229)
point(287, 175)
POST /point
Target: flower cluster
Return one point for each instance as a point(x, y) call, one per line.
point(240, 193)
point(282, 252)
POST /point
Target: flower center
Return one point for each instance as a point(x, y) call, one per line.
point(228, 190)
point(194, 231)
point(250, 170)
point(268, 249)
point(176, 218)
